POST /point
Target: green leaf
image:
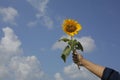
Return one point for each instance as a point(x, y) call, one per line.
point(79, 46)
point(66, 53)
point(64, 39)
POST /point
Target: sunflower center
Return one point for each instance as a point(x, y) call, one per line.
point(70, 28)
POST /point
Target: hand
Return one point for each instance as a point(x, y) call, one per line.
point(77, 58)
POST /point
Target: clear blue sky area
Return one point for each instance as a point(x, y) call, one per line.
point(30, 30)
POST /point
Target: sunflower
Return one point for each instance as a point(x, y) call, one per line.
point(71, 27)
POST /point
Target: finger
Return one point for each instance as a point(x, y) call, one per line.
point(74, 56)
point(75, 62)
point(74, 52)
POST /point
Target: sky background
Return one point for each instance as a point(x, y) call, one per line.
point(30, 30)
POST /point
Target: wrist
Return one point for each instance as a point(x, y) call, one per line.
point(80, 63)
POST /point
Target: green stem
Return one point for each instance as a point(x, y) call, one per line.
point(71, 37)
point(72, 43)
point(74, 49)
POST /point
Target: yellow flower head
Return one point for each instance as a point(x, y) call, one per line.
point(71, 27)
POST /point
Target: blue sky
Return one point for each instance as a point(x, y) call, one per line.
point(30, 30)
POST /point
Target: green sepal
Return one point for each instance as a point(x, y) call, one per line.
point(64, 39)
point(66, 53)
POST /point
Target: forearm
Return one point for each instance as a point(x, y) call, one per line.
point(102, 72)
point(94, 68)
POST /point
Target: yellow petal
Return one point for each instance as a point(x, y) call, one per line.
point(71, 27)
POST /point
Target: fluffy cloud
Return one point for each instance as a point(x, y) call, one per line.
point(10, 42)
point(26, 68)
point(88, 44)
point(41, 6)
point(13, 66)
point(21, 68)
point(4, 73)
point(9, 45)
point(58, 76)
point(8, 14)
point(72, 72)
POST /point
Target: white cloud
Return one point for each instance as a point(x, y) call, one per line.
point(88, 44)
point(21, 68)
point(9, 45)
point(4, 74)
point(14, 66)
point(58, 76)
point(8, 14)
point(26, 68)
point(42, 15)
point(10, 42)
point(73, 72)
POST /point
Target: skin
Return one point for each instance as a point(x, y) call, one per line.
point(94, 68)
